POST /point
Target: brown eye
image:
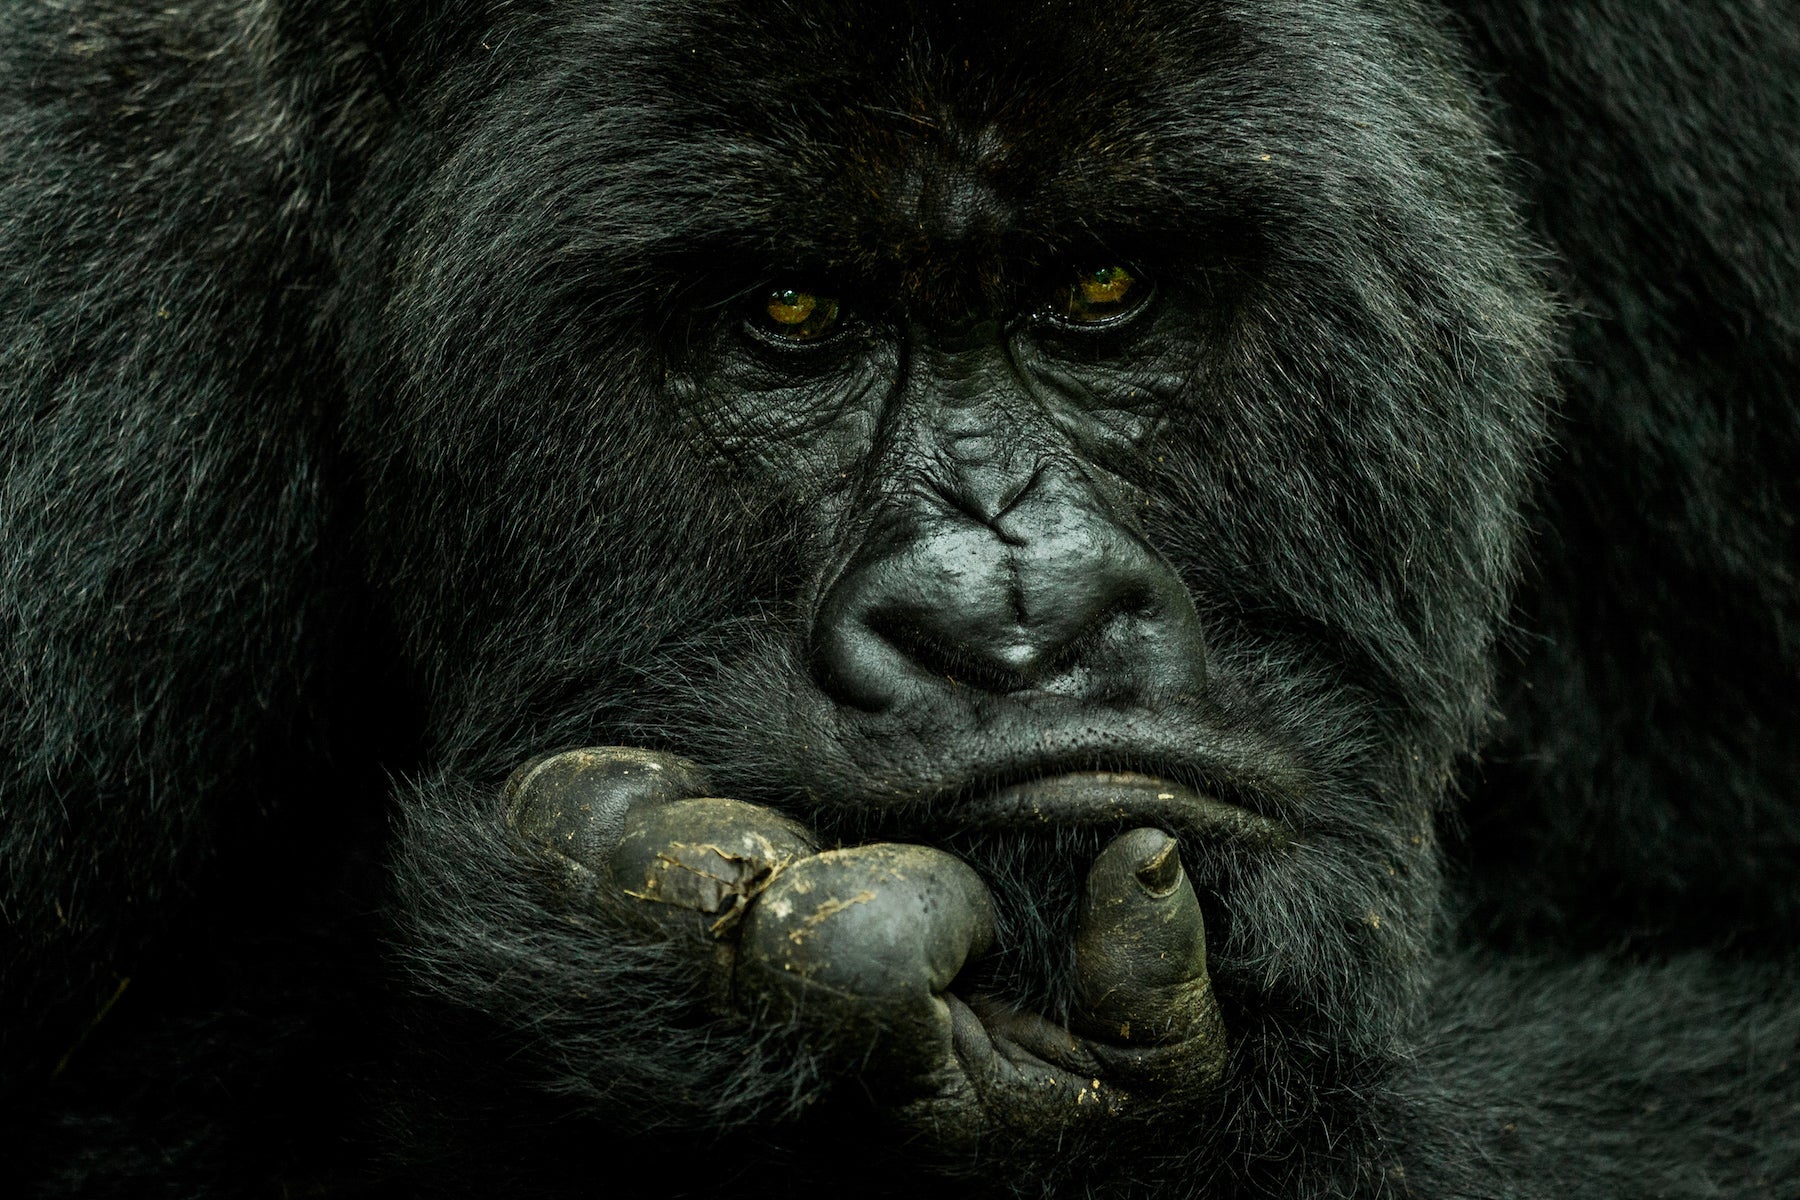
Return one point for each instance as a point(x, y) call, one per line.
point(1100, 294)
point(792, 315)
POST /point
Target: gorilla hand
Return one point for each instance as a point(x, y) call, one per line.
point(641, 838)
point(856, 950)
point(862, 946)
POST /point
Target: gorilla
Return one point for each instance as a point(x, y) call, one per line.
point(1067, 599)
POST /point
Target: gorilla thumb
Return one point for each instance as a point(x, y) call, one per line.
point(1140, 960)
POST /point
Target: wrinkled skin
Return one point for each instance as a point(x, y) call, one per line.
point(859, 948)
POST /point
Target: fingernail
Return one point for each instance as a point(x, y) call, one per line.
point(1160, 870)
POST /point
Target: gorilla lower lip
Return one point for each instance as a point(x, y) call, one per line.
point(1111, 797)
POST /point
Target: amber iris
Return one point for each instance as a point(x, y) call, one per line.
point(1100, 294)
point(797, 316)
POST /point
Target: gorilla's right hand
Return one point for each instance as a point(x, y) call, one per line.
point(855, 950)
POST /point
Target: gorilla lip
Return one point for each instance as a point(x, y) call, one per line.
point(1113, 797)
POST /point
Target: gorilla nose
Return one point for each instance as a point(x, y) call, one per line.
point(1055, 598)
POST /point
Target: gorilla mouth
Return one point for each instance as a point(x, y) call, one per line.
point(1120, 799)
point(1032, 840)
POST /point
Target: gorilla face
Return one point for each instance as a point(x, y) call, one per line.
point(989, 428)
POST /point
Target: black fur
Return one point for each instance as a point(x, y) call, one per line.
point(351, 358)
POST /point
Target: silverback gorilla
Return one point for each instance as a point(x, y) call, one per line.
point(664, 597)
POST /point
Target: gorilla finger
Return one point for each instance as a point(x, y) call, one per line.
point(707, 855)
point(858, 946)
point(639, 830)
point(575, 801)
point(1140, 945)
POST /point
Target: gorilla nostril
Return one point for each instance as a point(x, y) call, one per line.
point(994, 668)
point(1139, 601)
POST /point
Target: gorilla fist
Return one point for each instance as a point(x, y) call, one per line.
point(856, 950)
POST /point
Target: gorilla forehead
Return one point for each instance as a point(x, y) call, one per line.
point(937, 145)
point(949, 145)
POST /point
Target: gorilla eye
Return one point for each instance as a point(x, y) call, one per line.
point(792, 315)
point(1100, 295)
